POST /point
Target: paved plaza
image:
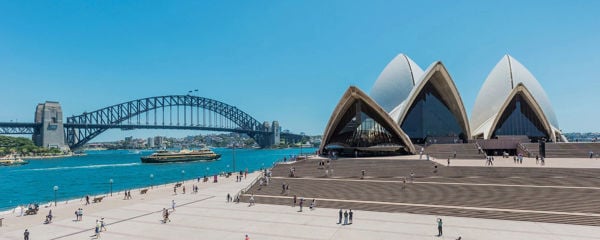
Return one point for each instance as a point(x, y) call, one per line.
point(207, 215)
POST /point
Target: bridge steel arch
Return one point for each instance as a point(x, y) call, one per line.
point(82, 128)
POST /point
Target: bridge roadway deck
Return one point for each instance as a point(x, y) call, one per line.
point(555, 195)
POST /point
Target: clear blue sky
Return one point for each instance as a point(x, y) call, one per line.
point(285, 60)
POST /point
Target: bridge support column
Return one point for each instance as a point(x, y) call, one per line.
point(51, 134)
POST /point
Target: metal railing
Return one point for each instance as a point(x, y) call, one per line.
point(245, 189)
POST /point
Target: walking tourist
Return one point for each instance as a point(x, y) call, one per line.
point(294, 202)
point(412, 176)
point(87, 199)
point(313, 204)
point(97, 229)
point(80, 214)
point(173, 204)
point(301, 203)
point(350, 214)
point(183, 189)
point(247, 238)
point(228, 197)
point(439, 226)
point(26, 235)
point(251, 200)
point(164, 212)
point(49, 217)
point(102, 225)
point(340, 217)
point(346, 217)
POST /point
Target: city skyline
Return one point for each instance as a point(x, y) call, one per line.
point(284, 61)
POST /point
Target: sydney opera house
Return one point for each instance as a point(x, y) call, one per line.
point(409, 106)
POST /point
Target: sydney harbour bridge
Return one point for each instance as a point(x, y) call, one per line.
point(184, 112)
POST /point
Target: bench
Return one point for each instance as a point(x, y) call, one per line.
point(143, 191)
point(98, 199)
point(178, 185)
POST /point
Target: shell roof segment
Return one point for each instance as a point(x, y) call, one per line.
point(395, 82)
point(506, 75)
point(353, 94)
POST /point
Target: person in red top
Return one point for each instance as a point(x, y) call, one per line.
point(247, 238)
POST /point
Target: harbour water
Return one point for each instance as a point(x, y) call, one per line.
point(90, 174)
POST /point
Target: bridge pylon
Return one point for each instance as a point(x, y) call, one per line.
point(51, 133)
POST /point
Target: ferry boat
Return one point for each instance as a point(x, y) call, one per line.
point(163, 156)
point(12, 161)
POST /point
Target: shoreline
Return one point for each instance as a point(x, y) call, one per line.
point(64, 208)
point(51, 157)
point(12, 212)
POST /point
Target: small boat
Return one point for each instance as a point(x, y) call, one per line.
point(163, 156)
point(12, 161)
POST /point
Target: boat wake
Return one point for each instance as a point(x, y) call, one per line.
point(82, 167)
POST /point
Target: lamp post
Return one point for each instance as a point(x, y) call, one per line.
point(233, 153)
point(55, 190)
point(151, 180)
point(111, 182)
point(182, 173)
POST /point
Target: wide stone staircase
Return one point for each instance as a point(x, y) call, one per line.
point(462, 150)
point(565, 150)
point(570, 196)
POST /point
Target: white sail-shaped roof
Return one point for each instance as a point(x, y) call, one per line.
point(395, 82)
point(352, 95)
point(438, 75)
point(527, 97)
point(497, 88)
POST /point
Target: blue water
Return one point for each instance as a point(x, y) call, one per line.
point(91, 174)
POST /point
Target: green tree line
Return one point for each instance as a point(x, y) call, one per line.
point(24, 147)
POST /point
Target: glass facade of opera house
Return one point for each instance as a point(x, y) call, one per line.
point(429, 117)
point(511, 102)
point(520, 119)
point(360, 129)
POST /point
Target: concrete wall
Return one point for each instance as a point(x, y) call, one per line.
point(51, 134)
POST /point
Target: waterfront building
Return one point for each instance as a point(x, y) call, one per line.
point(150, 142)
point(433, 111)
point(395, 82)
point(512, 102)
point(359, 126)
point(426, 107)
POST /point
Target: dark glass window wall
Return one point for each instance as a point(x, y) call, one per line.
point(520, 119)
point(361, 126)
point(430, 119)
